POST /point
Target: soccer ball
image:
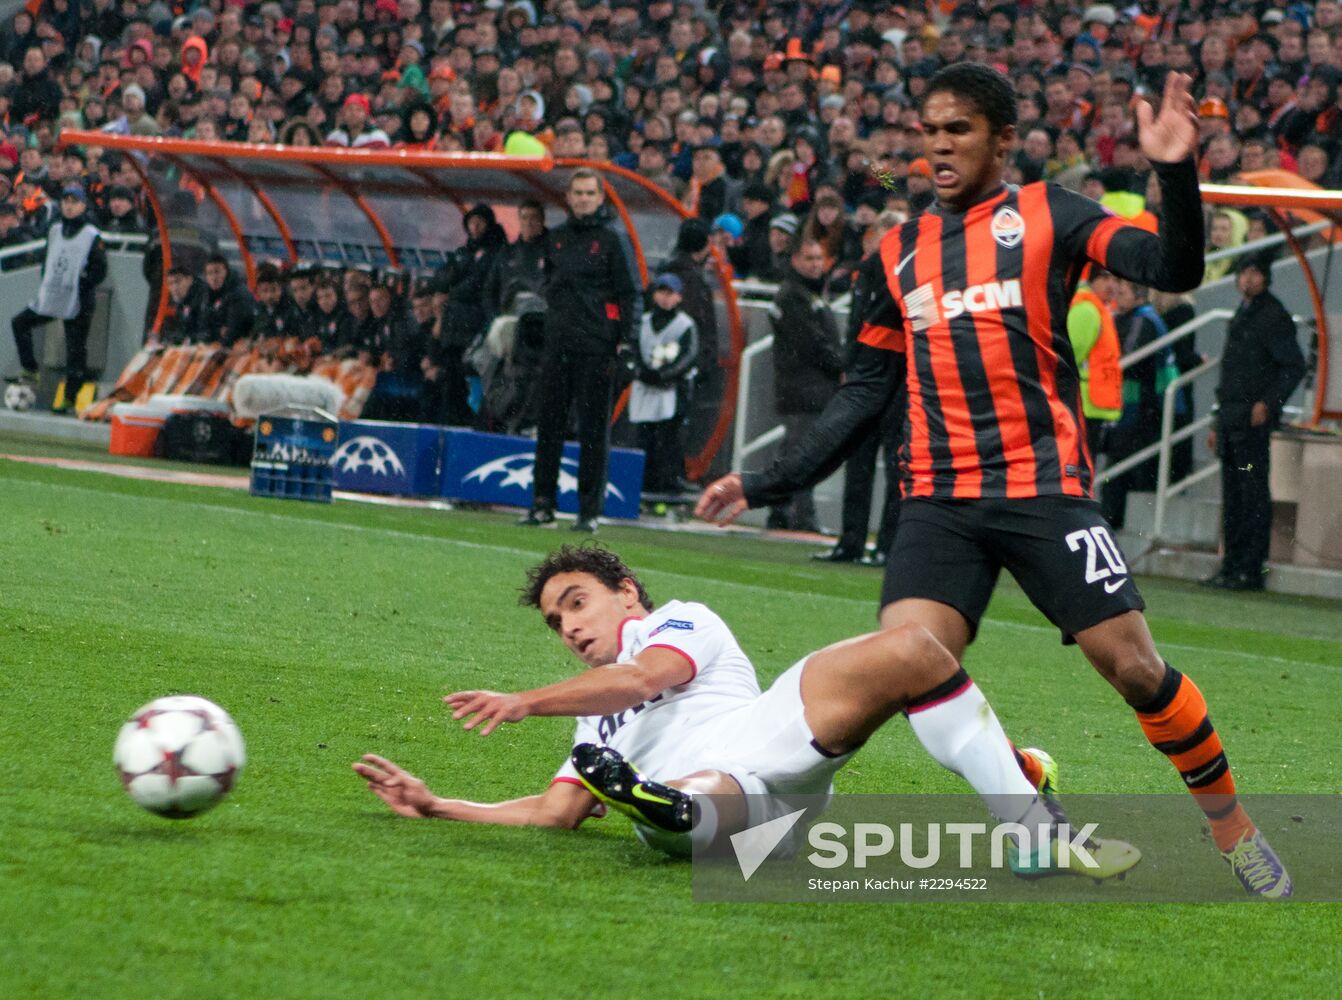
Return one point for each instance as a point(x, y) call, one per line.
point(20, 396)
point(178, 756)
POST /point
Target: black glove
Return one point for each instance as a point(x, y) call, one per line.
point(627, 362)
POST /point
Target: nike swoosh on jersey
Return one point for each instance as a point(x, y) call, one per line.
point(1113, 585)
point(900, 266)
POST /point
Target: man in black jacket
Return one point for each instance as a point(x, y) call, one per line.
point(688, 263)
point(590, 310)
point(516, 277)
point(464, 276)
point(859, 472)
point(514, 289)
point(397, 348)
point(752, 257)
point(1260, 369)
point(807, 366)
point(183, 323)
point(37, 96)
point(228, 305)
point(275, 316)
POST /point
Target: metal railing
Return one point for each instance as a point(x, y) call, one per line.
point(741, 448)
point(1276, 239)
point(112, 241)
point(1159, 344)
point(1169, 437)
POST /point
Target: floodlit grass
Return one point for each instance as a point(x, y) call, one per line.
point(331, 631)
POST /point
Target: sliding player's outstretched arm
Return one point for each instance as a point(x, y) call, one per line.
point(599, 691)
point(564, 804)
point(850, 417)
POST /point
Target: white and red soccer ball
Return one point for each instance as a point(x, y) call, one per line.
point(178, 756)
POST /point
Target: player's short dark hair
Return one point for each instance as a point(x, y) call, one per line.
point(592, 558)
point(988, 91)
point(268, 274)
point(217, 258)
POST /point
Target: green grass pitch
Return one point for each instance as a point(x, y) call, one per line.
point(331, 631)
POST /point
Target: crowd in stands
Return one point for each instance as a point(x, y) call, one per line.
point(775, 123)
point(752, 114)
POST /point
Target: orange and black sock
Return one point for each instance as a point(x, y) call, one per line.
point(1177, 724)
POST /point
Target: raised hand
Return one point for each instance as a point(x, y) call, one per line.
point(723, 501)
point(489, 707)
point(401, 790)
point(1171, 135)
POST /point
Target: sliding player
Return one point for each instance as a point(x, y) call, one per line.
point(996, 472)
point(671, 689)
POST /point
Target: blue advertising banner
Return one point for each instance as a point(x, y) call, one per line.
point(496, 468)
point(377, 456)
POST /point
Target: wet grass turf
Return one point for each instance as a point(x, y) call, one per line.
point(332, 631)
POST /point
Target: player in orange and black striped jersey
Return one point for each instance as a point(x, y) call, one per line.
point(995, 469)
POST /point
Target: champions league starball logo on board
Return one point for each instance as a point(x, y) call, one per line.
point(365, 452)
point(519, 470)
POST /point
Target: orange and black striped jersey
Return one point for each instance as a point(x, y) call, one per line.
point(974, 321)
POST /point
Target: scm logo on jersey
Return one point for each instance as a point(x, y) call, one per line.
point(921, 305)
point(981, 298)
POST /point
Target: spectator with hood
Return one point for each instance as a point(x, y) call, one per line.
point(464, 276)
point(751, 255)
point(1227, 230)
point(419, 129)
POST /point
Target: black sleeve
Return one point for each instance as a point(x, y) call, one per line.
point(1170, 261)
point(96, 268)
point(686, 359)
point(800, 332)
point(1284, 347)
point(852, 414)
point(739, 257)
point(239, 316)
point(490, 297)
point(624, 287)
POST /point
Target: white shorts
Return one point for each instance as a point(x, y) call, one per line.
point(767, 746)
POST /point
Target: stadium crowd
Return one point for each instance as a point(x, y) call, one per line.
point(776, 124)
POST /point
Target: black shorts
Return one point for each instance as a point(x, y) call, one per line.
point(1059, 549)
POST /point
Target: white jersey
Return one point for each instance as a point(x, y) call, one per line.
point(664, 731)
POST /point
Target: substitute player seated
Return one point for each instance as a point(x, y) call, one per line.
point(671, 689)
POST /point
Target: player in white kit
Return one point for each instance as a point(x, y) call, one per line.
point(672, 690)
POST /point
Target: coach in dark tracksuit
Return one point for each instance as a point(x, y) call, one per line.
point(590, 309)
point(1260, 368)
point(807, 367)
point(859, 472)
